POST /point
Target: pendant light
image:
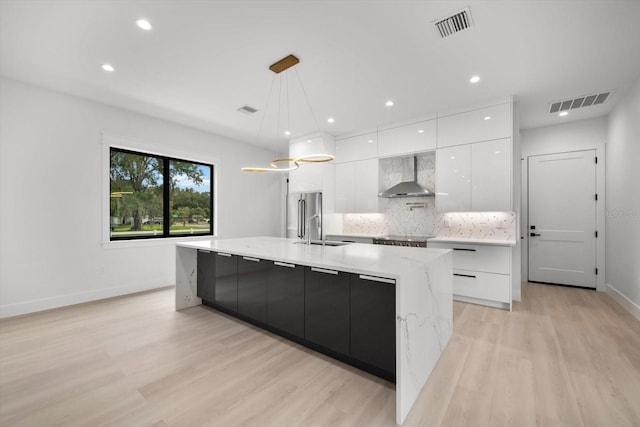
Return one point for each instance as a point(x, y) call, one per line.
point(317, 155)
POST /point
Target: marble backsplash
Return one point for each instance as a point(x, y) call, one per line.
point(426, 222)
point(418, 217)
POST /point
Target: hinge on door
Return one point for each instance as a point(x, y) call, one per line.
point(596, 234)
point(596, 159)
point(596, 196)
point(596, 271)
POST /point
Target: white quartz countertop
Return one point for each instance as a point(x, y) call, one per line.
point(378, 260)
point(494, 242)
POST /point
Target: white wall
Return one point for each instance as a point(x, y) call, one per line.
point(623, 199)
point(52, 251)
point(573, 136)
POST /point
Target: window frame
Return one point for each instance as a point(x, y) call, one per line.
point(144, 148)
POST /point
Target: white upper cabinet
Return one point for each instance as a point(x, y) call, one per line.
point(367, 187)
point(357, 148)
point(345, 175)
point(491, 175)
point(407, 139)
point(356, 187)
point(483, 124)
point(453, 179)
point(474, 177)
point(312, 176)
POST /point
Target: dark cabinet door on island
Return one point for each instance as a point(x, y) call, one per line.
point(327, 308)
point(206, 278)
point(285, 297)
point(373, 323)
point(226, 287)
point(252, 288)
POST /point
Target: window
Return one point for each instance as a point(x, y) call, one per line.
point(154, 196)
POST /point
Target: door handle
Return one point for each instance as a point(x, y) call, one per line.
point(300, 219)
point(322, 270)
point(377, 279)
point(284, 264)
point(304, 219)
point(534, 234)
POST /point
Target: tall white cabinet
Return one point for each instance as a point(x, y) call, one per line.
point(453, 179)
point(357, 187)
point(356, 174)
point(474, 169)
point(491, 175)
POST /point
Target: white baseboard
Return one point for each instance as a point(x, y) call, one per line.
point(625, 302)
point(33, 306)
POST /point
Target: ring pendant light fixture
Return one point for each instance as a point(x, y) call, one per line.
point(288, 164)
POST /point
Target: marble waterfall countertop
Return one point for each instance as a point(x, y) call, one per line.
point(424, 285)
point(378, 260)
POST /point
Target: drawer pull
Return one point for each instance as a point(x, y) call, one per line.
point(203, 251)
point(284, 264)
point(322, 270)
point(377, 279)
point(224, 254)
point(465, 275)
point(464, 249)
point(251, 259)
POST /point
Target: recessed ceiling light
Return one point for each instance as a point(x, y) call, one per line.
point(286, 132)
point(144, 24)
point(421, 131)
point(370, 141)
point(389, 103)
point(563, 113)
point(108, 67)
point(474, 79)
point(330, 120)
point(487, 118)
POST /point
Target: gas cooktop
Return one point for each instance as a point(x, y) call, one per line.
point(402, 240)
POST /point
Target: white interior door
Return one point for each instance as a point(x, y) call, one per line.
point(562, 218)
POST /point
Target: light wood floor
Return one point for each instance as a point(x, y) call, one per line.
point(563, 357)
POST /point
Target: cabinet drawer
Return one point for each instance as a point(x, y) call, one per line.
point(489, 259)
point(468, 284)
point(489, 286)
point(498, 287)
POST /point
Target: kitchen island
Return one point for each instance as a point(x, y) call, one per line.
point(420, 279)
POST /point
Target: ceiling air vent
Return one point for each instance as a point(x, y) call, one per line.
point(579, 102)
point(245, 109)
point(455, 23)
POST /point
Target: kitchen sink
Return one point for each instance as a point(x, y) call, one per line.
point(323, 243)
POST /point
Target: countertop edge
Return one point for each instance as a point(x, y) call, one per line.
point(393, 273)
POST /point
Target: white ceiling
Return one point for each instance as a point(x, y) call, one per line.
point(205, 59)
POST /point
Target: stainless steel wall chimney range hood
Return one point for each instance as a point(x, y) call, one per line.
point(408, 188)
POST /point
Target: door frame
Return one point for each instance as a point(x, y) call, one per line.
point(600, 208)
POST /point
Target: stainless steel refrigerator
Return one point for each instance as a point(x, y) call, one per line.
point(304, 215)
